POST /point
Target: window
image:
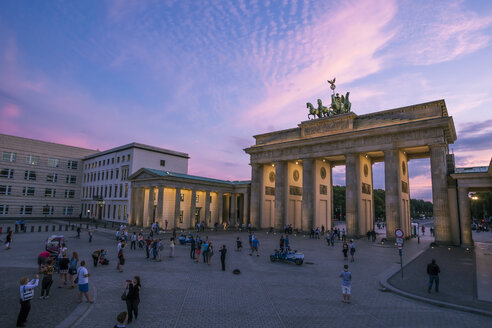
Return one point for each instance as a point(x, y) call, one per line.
point(5, 190)
point(98, 176)
point(28, 191)
point(99, 163)
point(118, 160)
point(163, 162)
point(53, 177)
point(112, 160)
point(107, 175)
point(126, 191)
point(53, 162)
point(109, 210)
point(110, 188)
point(182, 197)
point(29, 175)
point(105, 191)
point(26, 209)
point(69, 193)
point(210, 201)
point(7, 173)
point(116, 174)
point(72, 179)
point(48, 210)
point(32, 160)
point(128, 158)
point(121, 191)
point(4, 209)
point(114, 211)
point(124, 211)
point(8, 156)
point(49, 192)
point(68, 210)
point(115, 190)
point(180, 216)
point(97, 191)
point(111, 174)
point(197, 198)
point(119, 212)
point(124, 172)
point(73, 165)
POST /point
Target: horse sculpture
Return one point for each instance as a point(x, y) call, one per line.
point(341, 104)
point(323, 110)
point(312, 111)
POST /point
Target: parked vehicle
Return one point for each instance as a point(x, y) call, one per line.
point(287, 255)
point(53, 244)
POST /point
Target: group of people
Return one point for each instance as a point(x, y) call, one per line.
point(371, 234)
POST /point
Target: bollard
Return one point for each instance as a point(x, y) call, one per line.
point(87, 226)
point(39, 229)
point(73, 228)
point(66, 227)
point(32, 228)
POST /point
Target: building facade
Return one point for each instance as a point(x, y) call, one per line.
point(106, 188)
point(39, 179)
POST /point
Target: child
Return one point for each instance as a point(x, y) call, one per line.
point(121, 318)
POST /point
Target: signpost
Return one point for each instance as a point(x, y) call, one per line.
point(399, 240)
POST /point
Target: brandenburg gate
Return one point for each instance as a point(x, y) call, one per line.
point(291, 170)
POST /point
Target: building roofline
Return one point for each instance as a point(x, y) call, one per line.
point(47, 142)
point(138, 146)
point(162, 173)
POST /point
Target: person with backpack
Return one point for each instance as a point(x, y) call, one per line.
point(26, 295)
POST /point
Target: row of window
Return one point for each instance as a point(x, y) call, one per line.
point(30, 191)
point(105, 162)
point(28, 210)
point(32, 176)
point(119, 191)
point(108, 174)
point(34, 160)
point(107, 211)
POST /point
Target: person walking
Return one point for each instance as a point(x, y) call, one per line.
point(133, 297)
point(72, 268)
point(26, 295)
point(47, 281)
point(205, 251)
point(133, 240)
point(352, 250)
point(433, 272)
point(171, 246)
point(140, 240)
point(255, 244)
point(192, 247)
point(8, 240)
point(210, 252)
point(223, 252)
point(90, 231)
point(332, 239)
point(346, 276)
point(198, 248)
point(345, 248)
point(83, 277)
point(239, 244)
point(64, 263)
point(121, 257)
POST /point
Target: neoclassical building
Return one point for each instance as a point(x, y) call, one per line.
point(183, 200)
point(291, 179)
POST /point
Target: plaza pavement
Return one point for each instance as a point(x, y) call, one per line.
point(178, 292)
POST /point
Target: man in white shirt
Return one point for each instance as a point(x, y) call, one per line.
point(26, 294)
point(83, 276)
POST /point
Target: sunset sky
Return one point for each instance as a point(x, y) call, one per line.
point(203, 77)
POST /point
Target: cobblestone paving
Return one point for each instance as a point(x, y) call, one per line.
point(181, 293)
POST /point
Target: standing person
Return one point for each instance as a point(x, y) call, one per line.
point(344, 236)
point(8, 240)
point(165, 225)
point(64, 262)
point(148, 242)
point(346, 283)
point(332, 238)
point(118, 234)
point(171, 246)
point(160, 250)
point(95, 256)
point(26, 294)
point(210, 252)
point(352, 250)
point(72, 268)
point(83, 276)
point(205, 251)
point(255, 244)
point(223, 252)
point(133, 240)
point(198, 248)
point(42, 258)
point(133, 297)
point(239, 244)
point(286, 242)
point(433, 272)
point(47, 281)
point(90, 232)
point(423, 230)
point(140, 240)
point(121, 257)
point(282, 242)
point(78, 232)
point(345, 248)
point(192, 247)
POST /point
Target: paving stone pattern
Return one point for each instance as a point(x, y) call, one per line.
point(181, 293)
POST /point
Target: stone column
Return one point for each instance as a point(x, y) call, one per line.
point(392, 194)
point(220, 208)
point(150, 208)
point(281, 182)
point(177, 207)
point(465, 217)
point(440, 194)
point(245, 218)
point(192, 223)
point(233, 210)
point(256, 190)
point(140, 206)
point(207, 208)
point(351, 193)
point(160, 205)
point(308, 198)
point(133, 206)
